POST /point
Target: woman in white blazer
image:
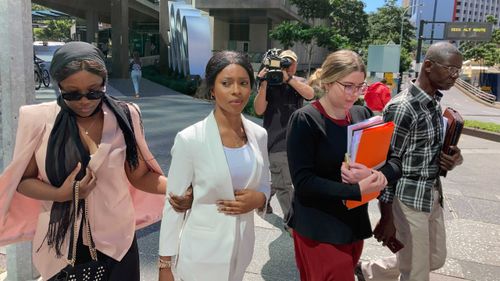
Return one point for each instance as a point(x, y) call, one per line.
point(224, 157)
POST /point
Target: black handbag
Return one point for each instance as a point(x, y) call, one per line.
point(90, 271)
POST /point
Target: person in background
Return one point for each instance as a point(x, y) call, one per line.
point(413, 209)
point(277, 103)
point(315, 83)
point(328, 237)
point(90, 140)
point(135, 68)
point(377, 95)
point(224, 157)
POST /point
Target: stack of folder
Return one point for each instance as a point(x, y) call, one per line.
point(368, 143)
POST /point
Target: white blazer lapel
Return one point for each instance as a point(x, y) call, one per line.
point(216, 151)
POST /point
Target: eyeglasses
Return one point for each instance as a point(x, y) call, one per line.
point(74, 96)
point(353, 89)
point(452, 70)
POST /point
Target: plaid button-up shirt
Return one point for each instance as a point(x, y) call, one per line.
point(417, 141)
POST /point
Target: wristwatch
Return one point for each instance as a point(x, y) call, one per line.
point(289, 78)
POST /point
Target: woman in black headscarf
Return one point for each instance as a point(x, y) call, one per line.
point(90, 140)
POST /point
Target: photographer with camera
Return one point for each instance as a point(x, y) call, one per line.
point(280, 94)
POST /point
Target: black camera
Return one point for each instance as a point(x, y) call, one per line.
point(275, 65)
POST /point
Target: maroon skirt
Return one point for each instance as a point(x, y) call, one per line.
point(319, 261)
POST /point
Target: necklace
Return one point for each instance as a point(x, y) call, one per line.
point(86, 131)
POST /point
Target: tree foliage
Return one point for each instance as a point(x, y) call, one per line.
point(385, 26)
point(486, 52)
point(308, 9)
point(36, 7)
point(350, 21)
point(313, 35)
point(55, 30)
point(287, 33)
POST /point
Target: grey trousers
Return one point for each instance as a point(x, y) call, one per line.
point(281, 181)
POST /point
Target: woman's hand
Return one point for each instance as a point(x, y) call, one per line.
point(87, 184)
point(165, 274)
point(449, 162)
point(245, 201)
point(373, 183)
point(354, 172)
point(183, 202)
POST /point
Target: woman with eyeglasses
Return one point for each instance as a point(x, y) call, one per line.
point(328, 237)
point(87, 143)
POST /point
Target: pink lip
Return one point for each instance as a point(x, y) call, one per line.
point(86, 109)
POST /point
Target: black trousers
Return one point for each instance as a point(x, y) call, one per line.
point(125, 270)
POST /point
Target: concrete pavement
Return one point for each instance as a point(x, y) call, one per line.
point(472, 209)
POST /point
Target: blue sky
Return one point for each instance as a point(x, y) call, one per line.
point(372, 5)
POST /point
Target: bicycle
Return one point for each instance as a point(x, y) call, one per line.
point(43, 73)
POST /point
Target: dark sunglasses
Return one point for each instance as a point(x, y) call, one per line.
point(74, 96)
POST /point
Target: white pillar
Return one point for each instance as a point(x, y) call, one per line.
point(16, 89)
point(164, 28)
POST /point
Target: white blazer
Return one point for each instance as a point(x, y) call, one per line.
point(211, 246)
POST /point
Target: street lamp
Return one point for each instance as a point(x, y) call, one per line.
point(401, 40)
point(403, 19)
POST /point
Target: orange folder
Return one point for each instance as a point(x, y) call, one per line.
point(372, 152)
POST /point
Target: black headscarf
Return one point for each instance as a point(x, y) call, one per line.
point(65, 148)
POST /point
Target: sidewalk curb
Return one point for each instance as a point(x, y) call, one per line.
point(481, 134)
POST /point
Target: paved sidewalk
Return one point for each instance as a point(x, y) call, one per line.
point(472, 209)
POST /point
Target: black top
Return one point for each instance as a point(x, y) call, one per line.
point(316, 149)
point(282, 101)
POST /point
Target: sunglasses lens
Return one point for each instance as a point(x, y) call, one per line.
point(72, 96)
point(94, 95)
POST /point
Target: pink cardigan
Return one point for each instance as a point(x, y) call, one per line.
point(116, 209)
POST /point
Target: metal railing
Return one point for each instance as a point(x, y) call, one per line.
point(464, 86)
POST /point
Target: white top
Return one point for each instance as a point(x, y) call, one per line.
point(240, 161)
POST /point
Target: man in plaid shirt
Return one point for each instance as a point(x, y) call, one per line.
point(413, 207)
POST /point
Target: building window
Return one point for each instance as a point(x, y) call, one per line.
point(239, 31)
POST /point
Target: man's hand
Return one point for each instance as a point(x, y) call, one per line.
point(182, 203)
point(245, 201)
point(449, 162)
point(385, 228)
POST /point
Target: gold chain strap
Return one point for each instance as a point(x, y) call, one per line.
point(76, 188)
point(93, 251)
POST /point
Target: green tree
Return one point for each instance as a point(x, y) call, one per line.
point(287, 33)
point(350, 20)
point(317, 9)
point(36, 7)
point(55, 30)
point(310, 33)
point(385, 26)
